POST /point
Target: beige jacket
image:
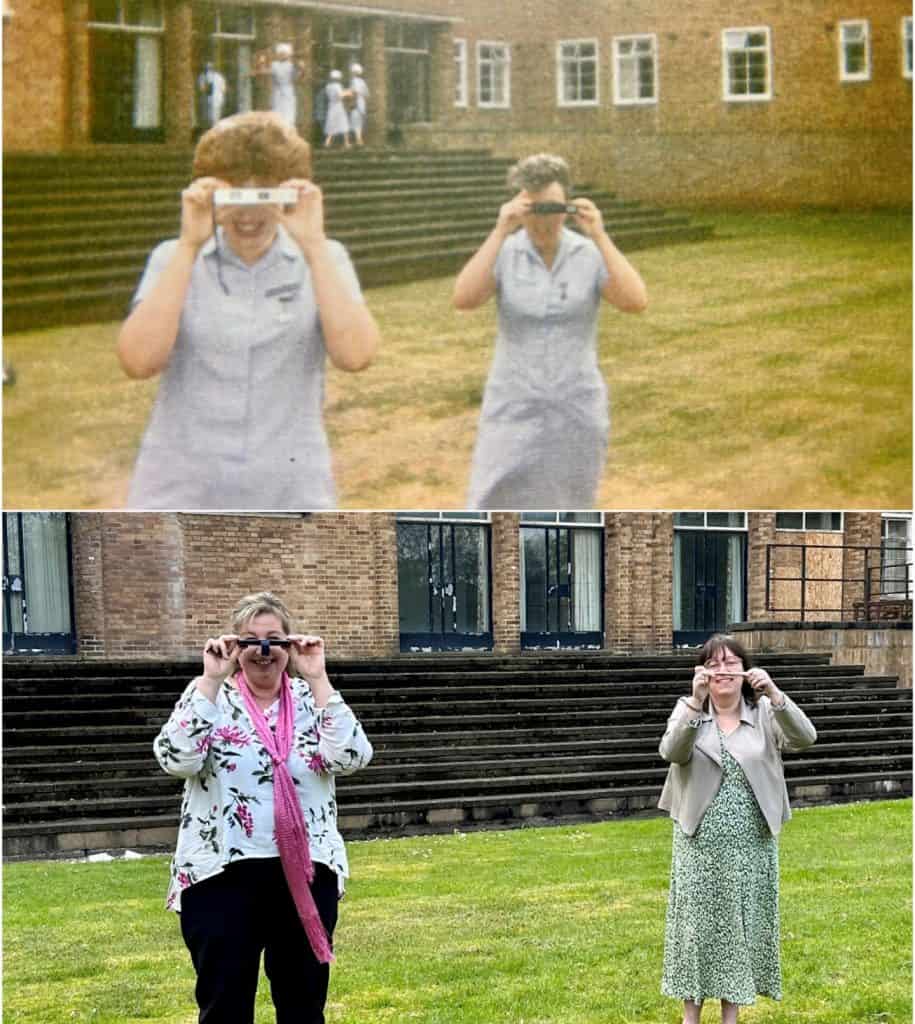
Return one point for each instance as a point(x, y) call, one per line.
point(694, 753)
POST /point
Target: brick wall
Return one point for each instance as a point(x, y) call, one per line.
point(506, 582)
point(638, 565)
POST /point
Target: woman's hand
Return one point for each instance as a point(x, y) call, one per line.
point(306, 656)
point(762, 683)
point(510, 213)
point(220, 657)
point(197, 210)
point(588, 217)
point(305, 221)
point(701, 679)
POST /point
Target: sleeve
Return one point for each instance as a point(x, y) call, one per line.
point(793, 729)
point(342, 743)
point(183, 743)
point(157, 262)
point(603, 274)
point(344, 265)
point(677, 742)
point(501, 264)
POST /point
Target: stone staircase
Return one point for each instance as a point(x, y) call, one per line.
point(461, 741)
point(77, 227)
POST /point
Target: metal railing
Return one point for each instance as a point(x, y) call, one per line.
point(877, 586)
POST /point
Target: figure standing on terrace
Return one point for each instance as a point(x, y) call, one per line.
point(726, 792)
point(545, 424)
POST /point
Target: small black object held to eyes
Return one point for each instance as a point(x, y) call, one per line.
point(264, 645)
point(554, 208)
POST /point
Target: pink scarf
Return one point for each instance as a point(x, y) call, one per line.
point(289, 824)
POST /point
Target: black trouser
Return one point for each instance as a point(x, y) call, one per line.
point(229, 919)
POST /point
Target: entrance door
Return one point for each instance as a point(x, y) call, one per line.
point(709, 583)
point(126, 76)
point(443, 586)
point(37, 611)
point(562, 587)
point(408, 87)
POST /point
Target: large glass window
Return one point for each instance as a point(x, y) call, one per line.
point(635, 69)
point(747, 70)
point(576, 73)
point(443, 581)
point(896, 556)
point(709, 577)
point(493, 75)
point(711, 520)
point(854, 51)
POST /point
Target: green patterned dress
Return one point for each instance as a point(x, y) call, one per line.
point(721, 937)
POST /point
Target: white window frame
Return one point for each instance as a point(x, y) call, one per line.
point(705, 524)
point(559, 519)
point(854, 76)
point(726, 50)
point(506, 75)
point(122, 25)
point(897, 517)
point(471, 518)
point(244, 36)
point(907, 47)
point(562, 101)
point(804, 528)
point(638, 101)
point(460, 60)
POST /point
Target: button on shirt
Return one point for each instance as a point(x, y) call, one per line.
point(227, 810)
point(544, 423)
point(237, 421)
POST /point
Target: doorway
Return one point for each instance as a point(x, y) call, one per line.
point(709, 582)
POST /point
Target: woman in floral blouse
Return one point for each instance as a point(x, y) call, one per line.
point(259, 865)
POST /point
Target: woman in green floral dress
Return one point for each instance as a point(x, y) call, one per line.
point(726, 793)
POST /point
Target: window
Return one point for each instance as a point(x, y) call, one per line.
point(407, 36)
point(493, 75)
point(635, 73)
point(475, 517)
point(907, 47)
point(576, 73)
point(747, 64)
point(564, 518)
point(896, 555)
point(710, 520)
point(854, 51)
point(460, 72)
point(829, 522)
point(144, 14)
point(234, 22)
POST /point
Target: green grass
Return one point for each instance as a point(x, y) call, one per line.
point(540, 926)
point(772, 369)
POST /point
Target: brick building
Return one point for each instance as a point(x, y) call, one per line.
point(131, 585)
point(712, 102)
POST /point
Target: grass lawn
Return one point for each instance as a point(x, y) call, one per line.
point(537, 926)
point(771, 370)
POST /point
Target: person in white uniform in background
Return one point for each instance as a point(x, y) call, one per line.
point(211, 85)
point(284, 73)
point(336, 121)
point(360, 93)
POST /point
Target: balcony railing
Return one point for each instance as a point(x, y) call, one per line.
point(872, 584)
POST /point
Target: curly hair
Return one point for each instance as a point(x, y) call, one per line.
point(264, 603)
point(534, 173)
point(257, 146)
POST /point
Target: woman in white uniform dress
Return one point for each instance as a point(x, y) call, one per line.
point(336, 121)
point(238, 318)
point(544, 425)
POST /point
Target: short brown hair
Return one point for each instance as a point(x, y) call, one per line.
point(722, 642)
point(258, 146)
point(534, 173)
point(263, 603)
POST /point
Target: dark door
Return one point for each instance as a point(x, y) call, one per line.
point(37, 606)
point(709, 583)
point(408, 87)
point(126, 74)
point(443, 580)
point(562, 587)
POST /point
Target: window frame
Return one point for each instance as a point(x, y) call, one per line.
point(857, 76)
point(704, 525)
point(804, 528)
point(218, 33)
point(462, 92)
point(559, 519)
point(121, 25)
point(638, 101)
point(726, 50)
point(561, 101)
point(506, 80)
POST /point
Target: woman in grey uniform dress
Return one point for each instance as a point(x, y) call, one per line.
point(726, 793)
point(238, 319)
point(544, 425)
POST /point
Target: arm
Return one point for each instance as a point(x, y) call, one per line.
point(148, 335)
point(183, 743)
point(476, 283)
point(793, 729)
point(683, 724)
point(625, 288)
point(342, 743)
point(351, 335)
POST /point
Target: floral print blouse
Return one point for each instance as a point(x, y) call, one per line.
point(227, 810)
